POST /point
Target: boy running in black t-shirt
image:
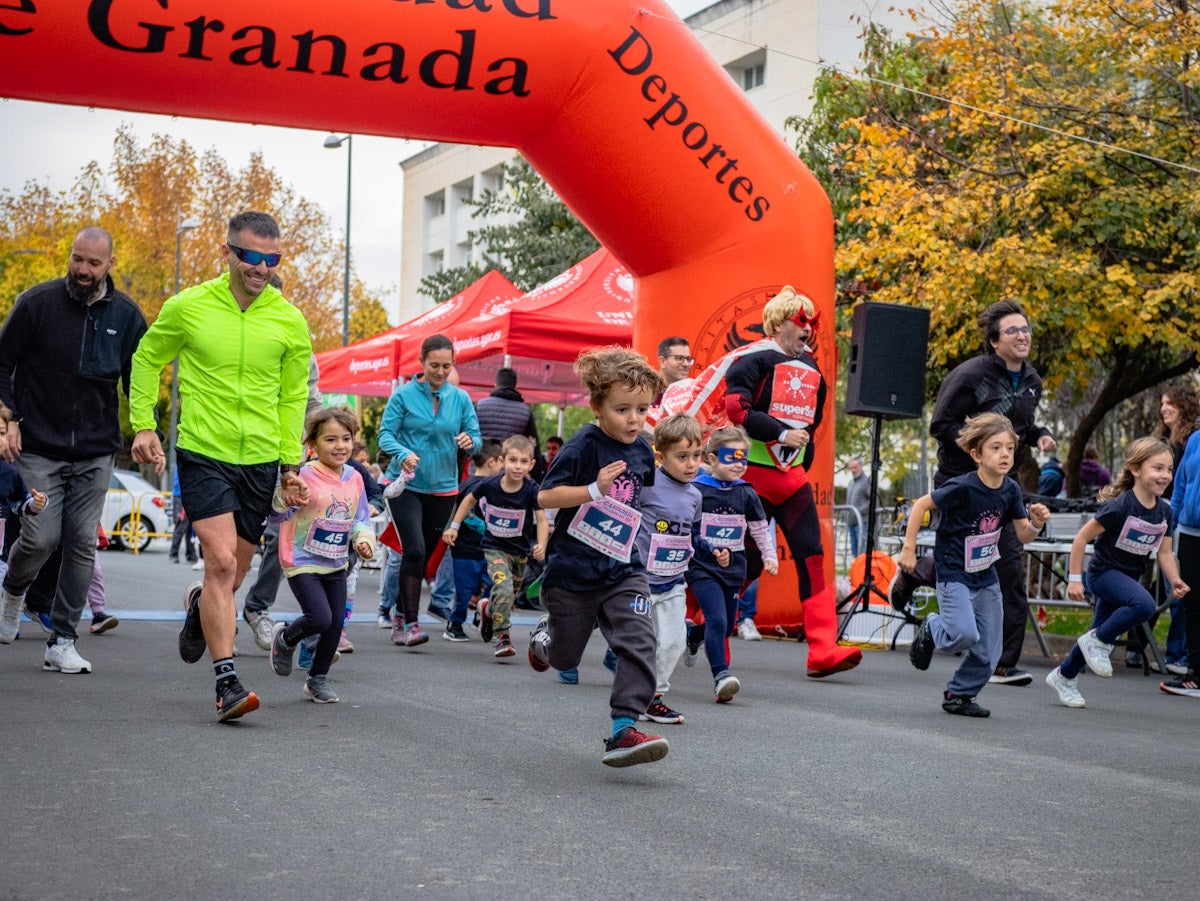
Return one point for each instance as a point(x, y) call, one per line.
point(594, 572)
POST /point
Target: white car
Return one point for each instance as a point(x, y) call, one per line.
point(126, 490)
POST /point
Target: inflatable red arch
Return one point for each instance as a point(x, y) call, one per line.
point(615, 103)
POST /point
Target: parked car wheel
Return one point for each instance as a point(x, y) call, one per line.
point(122, 539)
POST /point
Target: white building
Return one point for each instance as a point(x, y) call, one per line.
point(773, 49)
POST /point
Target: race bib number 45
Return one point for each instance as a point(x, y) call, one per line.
point(607, 526)
point(329, 538)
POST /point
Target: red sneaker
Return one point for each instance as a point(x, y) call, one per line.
point(632, 747)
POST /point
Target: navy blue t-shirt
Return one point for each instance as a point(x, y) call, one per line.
point(726, 508)
point(971, 516)
point(509, 516)
point(1131, 534)
point(469, 543)
point(573, 563)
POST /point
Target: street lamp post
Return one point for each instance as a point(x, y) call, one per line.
point(181, 226)
point(333, 142)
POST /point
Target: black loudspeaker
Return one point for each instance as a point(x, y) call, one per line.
point(887, 361)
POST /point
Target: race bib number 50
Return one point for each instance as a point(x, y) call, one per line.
point(607, 526)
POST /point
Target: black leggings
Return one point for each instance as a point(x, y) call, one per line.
point(322, 597)
point(420, 520)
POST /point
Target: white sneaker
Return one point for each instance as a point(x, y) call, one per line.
point(1096, 652)
point(1177, 669)
point(61, 657)
point(10, 616)
point(262, 626)
point(725, 687)
point(747, 631)
point(199, 564)
point(1068, 693)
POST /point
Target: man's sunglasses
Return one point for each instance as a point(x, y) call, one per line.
point(253, 257)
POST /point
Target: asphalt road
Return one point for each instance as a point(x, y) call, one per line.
point(445, 774)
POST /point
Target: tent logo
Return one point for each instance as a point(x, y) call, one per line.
point(373, 365)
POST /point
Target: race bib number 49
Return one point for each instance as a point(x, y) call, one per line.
point(607, 526)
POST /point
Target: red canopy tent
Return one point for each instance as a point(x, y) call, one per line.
point(371, 366)
point(541, 334)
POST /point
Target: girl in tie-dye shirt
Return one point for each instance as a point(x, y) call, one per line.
point(314, 546)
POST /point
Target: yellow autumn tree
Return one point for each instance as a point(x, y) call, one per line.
point(1047, 152)
point(150, 189)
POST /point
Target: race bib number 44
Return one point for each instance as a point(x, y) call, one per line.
point(607, 526)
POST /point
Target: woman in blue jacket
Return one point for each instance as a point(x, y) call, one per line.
point(426, 423)
point(1185, 504)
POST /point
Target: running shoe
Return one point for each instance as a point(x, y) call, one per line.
point(1010, 676)
point(962, 705)
point(747, 631)
point(345, 646)
point(485, 620)
point(262, 626)
point(399, 630)
point(317, 688)
point(281, 651)
point(191, 637)
point(1068, 689)
point(504, 648)
point(659, 712)
point(629, 747)
point(1095, 653)
point(103, 622)
point(921, 652)
point(725, 686)
point(569, 676)
point(10, 616)
point(610, 660)
point(233, 700)
point(1185, 686)
point(539, 645)
point(454, 632)
point(61, 657)
point(414, 635)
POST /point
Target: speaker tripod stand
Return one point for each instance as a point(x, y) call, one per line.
point(859, 600)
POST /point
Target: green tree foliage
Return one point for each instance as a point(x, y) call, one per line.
point(1044, 152)
point(527, 233)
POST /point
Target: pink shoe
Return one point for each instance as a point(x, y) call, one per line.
point(398, 630)
point(344, 644)
point(414, 635)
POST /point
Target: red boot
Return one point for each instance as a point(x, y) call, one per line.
point(825, 655)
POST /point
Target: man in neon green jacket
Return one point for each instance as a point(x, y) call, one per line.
point(243, 369)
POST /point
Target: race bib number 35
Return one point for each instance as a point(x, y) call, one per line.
point(669, 554)
point(606, 526)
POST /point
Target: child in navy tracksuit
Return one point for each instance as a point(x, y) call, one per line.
point(670, 511)
point(730, 509)
point(1132, 525)
point(973, 509)
point(594, 572)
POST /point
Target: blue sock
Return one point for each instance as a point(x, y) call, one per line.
point(621, 722)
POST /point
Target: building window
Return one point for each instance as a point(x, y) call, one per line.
point(435, 205)
point(752, 76)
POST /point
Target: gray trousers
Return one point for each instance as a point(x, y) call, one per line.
point(623, 612)
point(270, 573)
point(75, 493)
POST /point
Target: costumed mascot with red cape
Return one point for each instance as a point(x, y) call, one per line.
point(774, 390)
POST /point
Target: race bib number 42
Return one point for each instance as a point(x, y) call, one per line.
point(607, 526)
